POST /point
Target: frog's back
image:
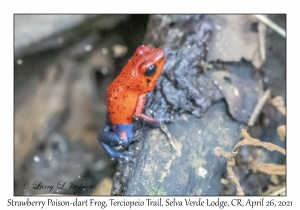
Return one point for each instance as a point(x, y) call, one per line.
point(121, 103)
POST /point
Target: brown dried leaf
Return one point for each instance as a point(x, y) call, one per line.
point(240, 92)
point(234, 39)
point(281, 130)
point(278, 102)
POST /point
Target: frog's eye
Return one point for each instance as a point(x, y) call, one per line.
point(151, 70)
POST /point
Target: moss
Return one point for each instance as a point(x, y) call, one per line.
point(155, 191)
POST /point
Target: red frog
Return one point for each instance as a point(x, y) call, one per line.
point(126, 98)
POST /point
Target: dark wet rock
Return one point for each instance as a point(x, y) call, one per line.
point(189, 98)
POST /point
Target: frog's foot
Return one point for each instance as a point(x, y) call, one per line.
point(118, 154)
point(159, 121)
point(126, 155)
point(109, 140)
point(149, 120)
point(154, 123)
point(162, 117)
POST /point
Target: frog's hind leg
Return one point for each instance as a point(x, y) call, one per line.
point(109, 140)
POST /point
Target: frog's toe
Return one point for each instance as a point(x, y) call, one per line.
point(127, 153)
point(127, 156)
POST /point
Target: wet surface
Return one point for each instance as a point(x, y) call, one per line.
point(190, 88)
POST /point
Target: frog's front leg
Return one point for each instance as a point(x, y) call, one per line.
point(114, 136)
point(139, 112)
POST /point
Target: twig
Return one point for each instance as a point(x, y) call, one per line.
point(279, 190)
point(268, 168)
point(271, 24)
point(261, 36)
point(255, 142)
point(263, 167)
point(261, 102)
point(232, 176)
point(220, 152)
point(230, 162)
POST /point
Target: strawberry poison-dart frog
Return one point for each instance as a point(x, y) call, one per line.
point(126, 97)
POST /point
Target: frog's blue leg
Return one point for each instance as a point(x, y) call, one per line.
point(119, 135)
